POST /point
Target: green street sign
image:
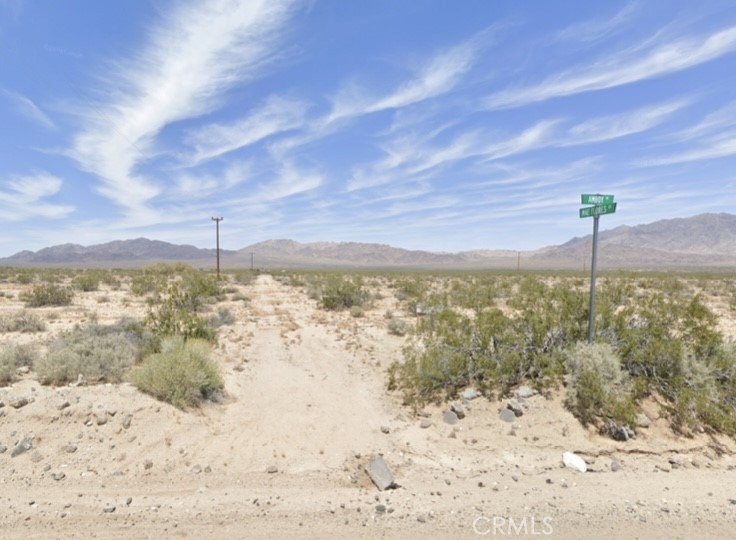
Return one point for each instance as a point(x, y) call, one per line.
point(598, 210)
point(589, 198)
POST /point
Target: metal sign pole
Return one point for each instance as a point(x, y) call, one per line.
point(591, 313)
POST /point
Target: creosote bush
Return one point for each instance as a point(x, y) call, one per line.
point(172, 315)
point(489, 348)
point(181, 374)
point(87, 281)
point(341, 293)
point(47, 295)
point(178, 293)
point(659, 332)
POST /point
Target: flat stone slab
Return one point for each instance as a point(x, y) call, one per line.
point(380, 474)
point(507, 415)
point(450, 417)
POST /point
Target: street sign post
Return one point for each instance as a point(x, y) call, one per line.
point(598, 210)
point(595, 198)
point(603, 204)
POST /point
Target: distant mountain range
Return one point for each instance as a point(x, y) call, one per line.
point(125, 252)
point(704, 241)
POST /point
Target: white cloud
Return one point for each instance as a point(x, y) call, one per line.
point(627, 67)
point(27, 108)
point(25, 198)
point(276, 115)
point(595, 30)
point(724, 117)
point(200, 50)
point(605, 128)
point(291, 181)
point(438, 76)
point(189, 187)
point(717, 147)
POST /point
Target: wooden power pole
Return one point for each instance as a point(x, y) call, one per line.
point(217, 221)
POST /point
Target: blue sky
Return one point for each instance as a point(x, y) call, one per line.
point(421, 124)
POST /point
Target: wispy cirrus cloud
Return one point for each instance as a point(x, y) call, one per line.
point(606, 128)
point(290, 181)
point(595, 30)
point(198, 51)
point(713, 137)
point(28, 109)
point(439, 75)
point(722, 118)
point(636, 64)
point(275, 115)
point(25, 197)
point(723, 145)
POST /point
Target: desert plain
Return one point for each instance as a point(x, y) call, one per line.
point(305, 408)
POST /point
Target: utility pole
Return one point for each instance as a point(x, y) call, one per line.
point(217, 221)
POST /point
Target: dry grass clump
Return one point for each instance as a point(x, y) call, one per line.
point(181, 374)
point(22, 321)
point(98, 353)
point(398, 327)
point(597, 386)
point(12, 358)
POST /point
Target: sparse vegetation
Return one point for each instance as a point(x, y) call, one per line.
point(343, 293)
point(597, 386)
point(397, 327)
point(660, 332)
point(11, 358)
point(181, 374)
point(177, 293)
point(97, 353)
point(22, 321)
point(658, 337)
point(47, 295)
point(87, 281)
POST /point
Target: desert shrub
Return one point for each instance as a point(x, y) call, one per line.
point(22, 322)
point(98, 353)
point(453, 350)
point(12, 358)
point(47, 295)
point(410, 292)
point(223, 317)
point(87, 281)
point(245, 277)
point(398, 327)
point(24, 277)
point(199, 289)
point(146, 283)
point(172, 315)
point(181, 374)
point(7, 366)
point(597, 387)
point(155, 277)
point(240, 297)
point(343, 293)
point(357, 312)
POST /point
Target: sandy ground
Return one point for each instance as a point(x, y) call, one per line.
point(284, 456)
